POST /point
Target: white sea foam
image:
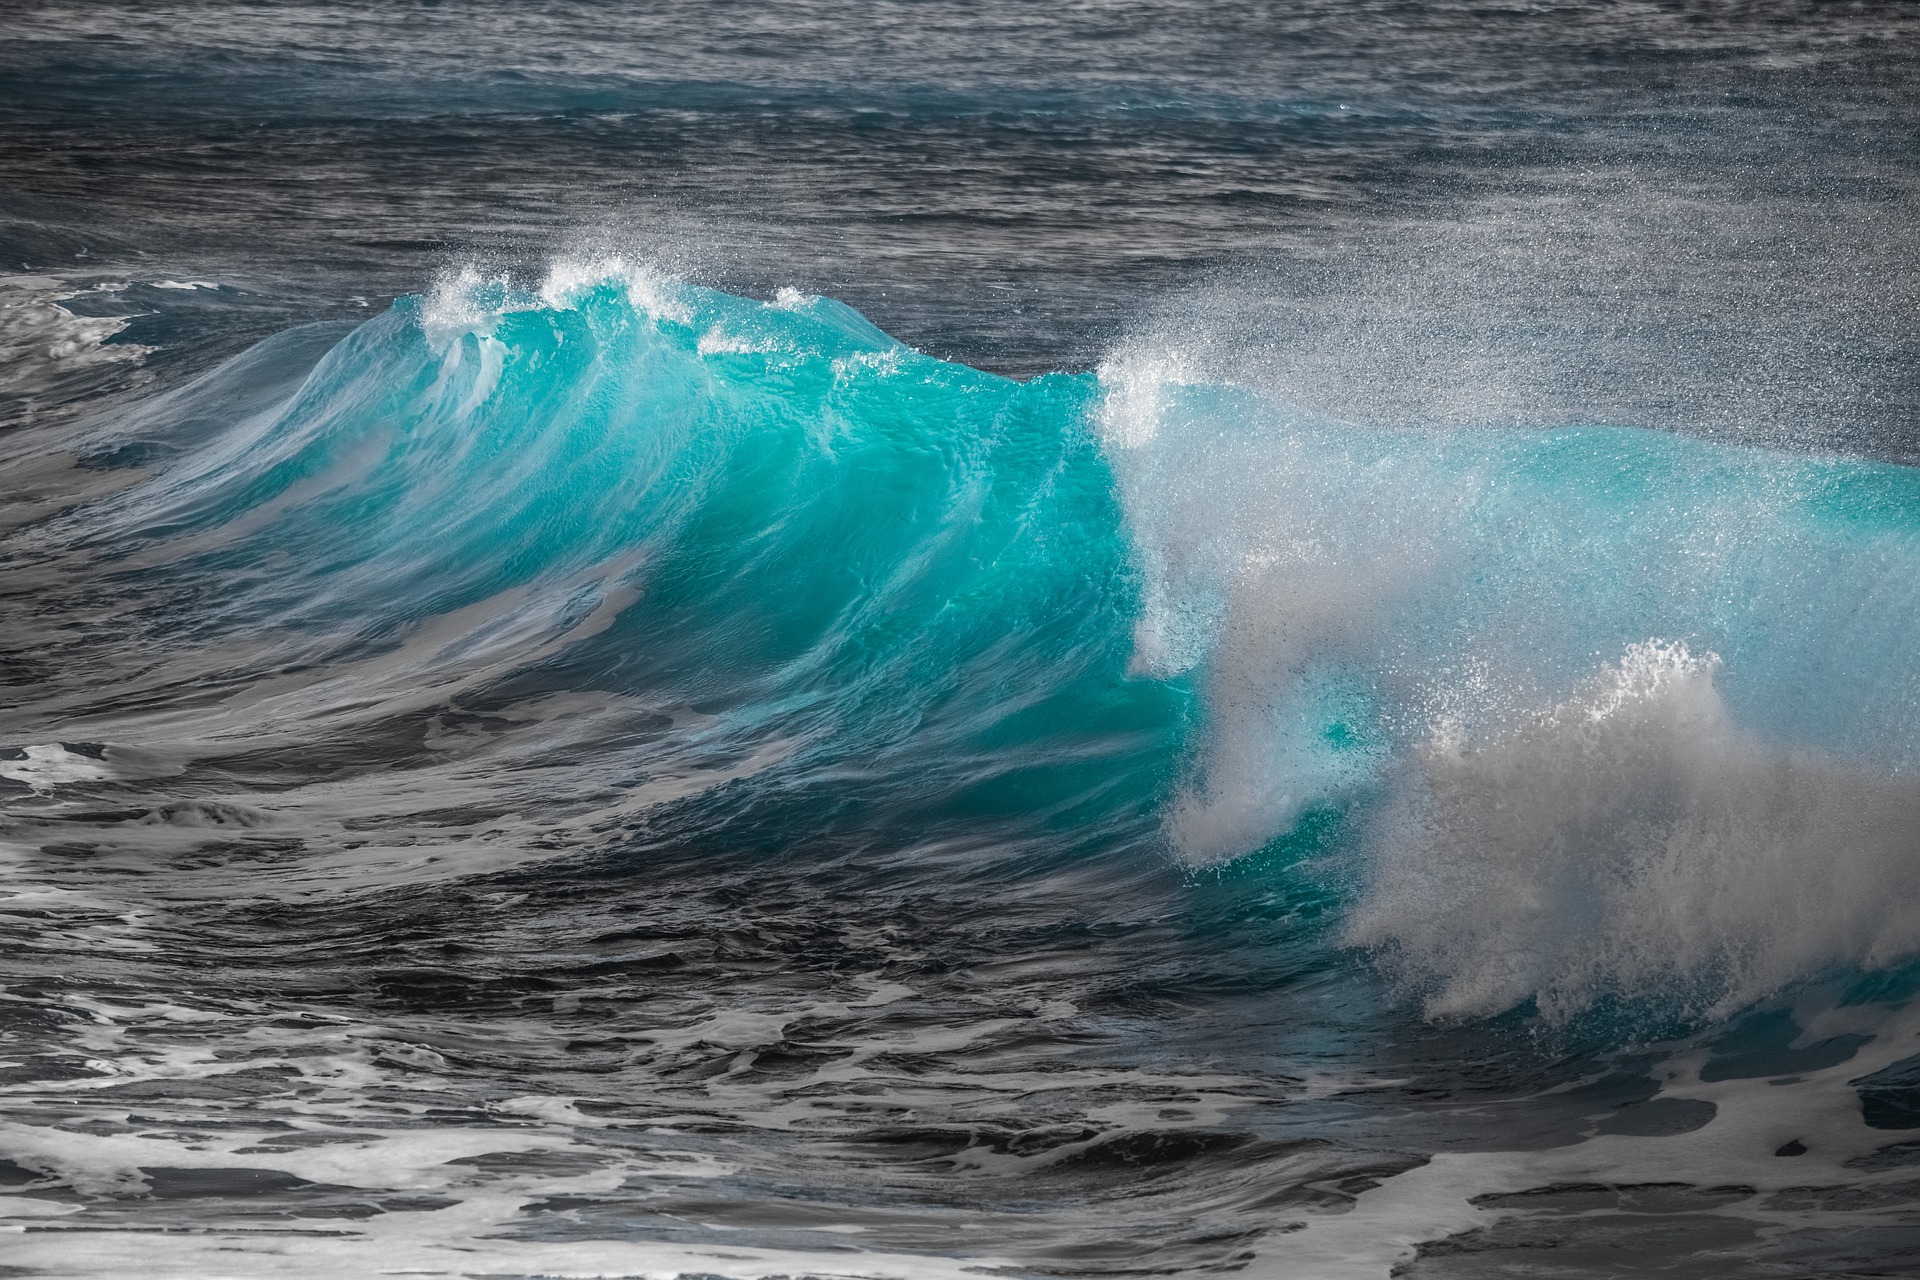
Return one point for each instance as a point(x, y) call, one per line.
point(1469, 1194)
point(471, 301)
point(1633, 838)
point(1270, 561)
point(885, 362)
point(1137, 395)
point(45, 766)
point(50, 765)
point(650, 290)
point(463, 302)
point(717, 341)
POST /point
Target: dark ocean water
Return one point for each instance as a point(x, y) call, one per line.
point(936, 640)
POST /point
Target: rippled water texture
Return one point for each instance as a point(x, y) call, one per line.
point(944, 641)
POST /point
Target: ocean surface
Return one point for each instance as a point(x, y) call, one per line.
point(935, 640)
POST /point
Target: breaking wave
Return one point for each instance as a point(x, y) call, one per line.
point(1592, 712)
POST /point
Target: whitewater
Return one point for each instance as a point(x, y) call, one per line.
point(959, 642)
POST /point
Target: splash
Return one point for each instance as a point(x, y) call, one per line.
point(1376, 619)
point(1635, 839)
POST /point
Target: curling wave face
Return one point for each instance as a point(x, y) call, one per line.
point(767, 517)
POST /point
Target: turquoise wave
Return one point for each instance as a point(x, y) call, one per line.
point(1551, 716)
point(913, 573)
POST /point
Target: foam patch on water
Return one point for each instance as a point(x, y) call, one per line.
point(1779, 1158)
point(43, 344)
point(50, 765)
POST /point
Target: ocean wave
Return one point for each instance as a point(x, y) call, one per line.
point(764, 524)
point(889, 594)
